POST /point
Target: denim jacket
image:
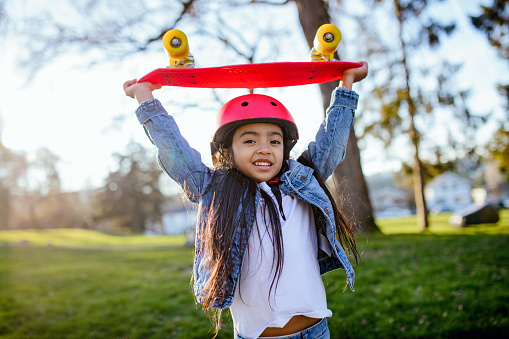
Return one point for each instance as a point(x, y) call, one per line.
point(183, 163)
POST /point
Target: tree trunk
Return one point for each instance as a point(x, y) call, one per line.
point(417, 173)
point(420, 202)
point(348, 175)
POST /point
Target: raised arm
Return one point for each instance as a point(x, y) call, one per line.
point(329, 147)
point(176, 157)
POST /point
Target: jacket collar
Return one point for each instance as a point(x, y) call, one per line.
point(297, 176)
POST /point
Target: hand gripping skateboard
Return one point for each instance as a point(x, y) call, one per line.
point(182, 73)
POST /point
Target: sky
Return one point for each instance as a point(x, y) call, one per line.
point(82, 115)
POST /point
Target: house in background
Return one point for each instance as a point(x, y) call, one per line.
point(180, 220)
point(390, 202)
point(448, 192)
point(179, 216)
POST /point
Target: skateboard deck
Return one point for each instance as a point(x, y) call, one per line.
point(261, 75)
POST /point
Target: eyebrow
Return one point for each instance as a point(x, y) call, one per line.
point(256, 133)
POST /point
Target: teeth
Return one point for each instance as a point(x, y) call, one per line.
point(262, 164)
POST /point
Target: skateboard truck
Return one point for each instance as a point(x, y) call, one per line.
point(182, 73)
point(326, 42)
point(177, 47)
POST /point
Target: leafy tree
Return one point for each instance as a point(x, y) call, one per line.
point(407, 90)
point(130, 198)
point(494, 22)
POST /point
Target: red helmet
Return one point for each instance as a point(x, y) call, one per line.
point(253, 108)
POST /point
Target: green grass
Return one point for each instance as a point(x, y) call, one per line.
point(445, 283)
point(439, 224)
point(85, 239)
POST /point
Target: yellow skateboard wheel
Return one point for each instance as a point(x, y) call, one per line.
point(175, 43)
point(327, 39)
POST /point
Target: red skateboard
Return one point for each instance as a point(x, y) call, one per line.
point(277, 74)
point(182, 73)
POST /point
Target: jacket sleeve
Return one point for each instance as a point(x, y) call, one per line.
point(329, 147)
point(174, 154)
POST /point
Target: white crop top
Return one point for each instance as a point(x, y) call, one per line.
point(300, 289)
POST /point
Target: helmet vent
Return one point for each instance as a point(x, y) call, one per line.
point(273, 103)
point(244, 104)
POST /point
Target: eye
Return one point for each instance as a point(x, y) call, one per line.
point(275, 142)
point(249, 141)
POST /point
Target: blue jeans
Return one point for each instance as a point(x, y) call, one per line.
point(317, 331)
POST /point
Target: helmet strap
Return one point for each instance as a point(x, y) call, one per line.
point(274, 187)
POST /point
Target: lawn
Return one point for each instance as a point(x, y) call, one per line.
point(444, 283)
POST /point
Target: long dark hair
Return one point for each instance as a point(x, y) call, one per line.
point(344, 226)
point(222, 223)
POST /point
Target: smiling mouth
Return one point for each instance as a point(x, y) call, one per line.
point(262, 163)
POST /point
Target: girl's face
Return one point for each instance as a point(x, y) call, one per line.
point(258, 150)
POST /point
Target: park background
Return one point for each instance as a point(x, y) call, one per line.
point(79, 184)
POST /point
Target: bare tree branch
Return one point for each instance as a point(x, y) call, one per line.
point(187, 9)
point(269, 2)
point(118, 32)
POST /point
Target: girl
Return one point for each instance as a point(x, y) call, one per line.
point(267, 224)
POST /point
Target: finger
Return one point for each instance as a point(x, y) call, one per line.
point(129, 93)
point(128, 90)
point(129, 83)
